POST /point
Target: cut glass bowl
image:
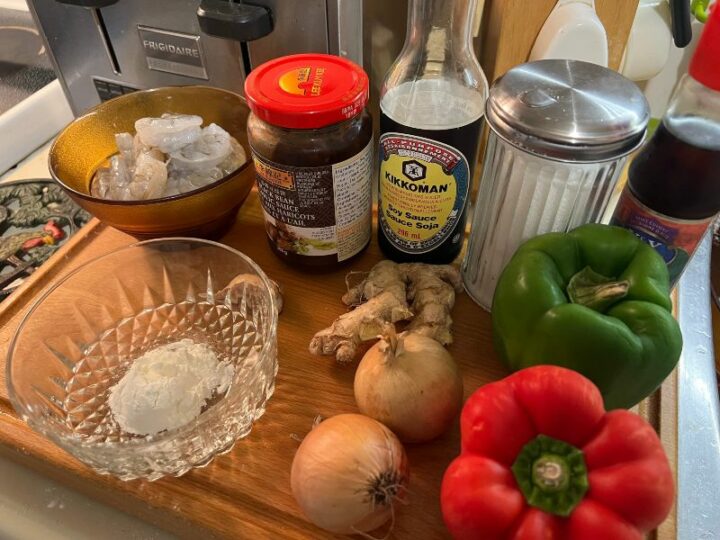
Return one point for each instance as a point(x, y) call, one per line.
point(81, 336)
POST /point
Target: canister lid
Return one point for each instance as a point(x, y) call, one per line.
point(306, 91)
point(568, 110)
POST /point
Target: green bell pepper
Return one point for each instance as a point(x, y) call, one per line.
point(595, 300)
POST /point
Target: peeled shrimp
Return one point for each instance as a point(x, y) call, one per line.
point(102, 183)
point(188, 180)
point(209, 150)
point(150, 178)
point(170, 132)
point(124, 142)
point(168, 156)
point(140, 147)
point(111, 182)
point(235, 160)
point(120, 170)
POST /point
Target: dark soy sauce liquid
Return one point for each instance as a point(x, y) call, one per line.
point(678, 172)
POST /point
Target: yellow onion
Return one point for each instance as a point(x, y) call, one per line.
point(410, 383)
point(348, 472)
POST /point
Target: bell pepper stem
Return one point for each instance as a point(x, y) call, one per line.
point(551, 475)
point(595, 291)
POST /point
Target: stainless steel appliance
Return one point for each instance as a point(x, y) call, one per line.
point(104, 48)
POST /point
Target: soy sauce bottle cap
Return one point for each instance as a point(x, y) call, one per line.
point(705, 63)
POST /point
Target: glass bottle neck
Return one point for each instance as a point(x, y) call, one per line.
point(692, 98)
point(433, 23)
point(436, 82)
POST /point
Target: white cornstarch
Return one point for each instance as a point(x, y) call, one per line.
point(167, 387)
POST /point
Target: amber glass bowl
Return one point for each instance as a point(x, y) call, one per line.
point(89, 141)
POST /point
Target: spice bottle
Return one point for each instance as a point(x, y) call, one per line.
point(310, 136)
point(431, 108)
point(673, 189)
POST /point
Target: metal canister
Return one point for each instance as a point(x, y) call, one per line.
point(560, 134)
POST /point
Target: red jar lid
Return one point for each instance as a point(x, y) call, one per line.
point(307, 91)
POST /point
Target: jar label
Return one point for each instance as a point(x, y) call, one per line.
point(317, 211)
point(423, 191)
point(674, 239)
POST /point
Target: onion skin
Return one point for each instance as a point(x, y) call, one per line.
point(416, 389)
point(337, 469)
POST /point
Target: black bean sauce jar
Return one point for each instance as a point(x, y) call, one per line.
point(311, 139)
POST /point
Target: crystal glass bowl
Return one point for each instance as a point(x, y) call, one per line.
point(82, 335)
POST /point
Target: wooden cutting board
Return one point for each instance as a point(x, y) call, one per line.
point(246, 493)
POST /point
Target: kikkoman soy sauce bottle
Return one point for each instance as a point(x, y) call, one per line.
point(432, 104)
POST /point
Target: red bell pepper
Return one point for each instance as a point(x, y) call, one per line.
point(541, 459)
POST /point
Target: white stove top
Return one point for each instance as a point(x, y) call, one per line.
point(32, 122)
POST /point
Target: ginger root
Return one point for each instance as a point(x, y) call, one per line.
point(432, 293)
point(393, 292)
point(384, 290)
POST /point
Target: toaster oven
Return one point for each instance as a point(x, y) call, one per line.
point(105, 48)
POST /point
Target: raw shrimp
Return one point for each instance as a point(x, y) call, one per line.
point(209, 150)
point(120, 170)
point(170, 132)
point(235, 160)
point(140, 147)
point(109, 182)
point(124, 142)
point(150, 178)
point(173, 187)
point(188, 180)
point(102, 184)
point(168, 156)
